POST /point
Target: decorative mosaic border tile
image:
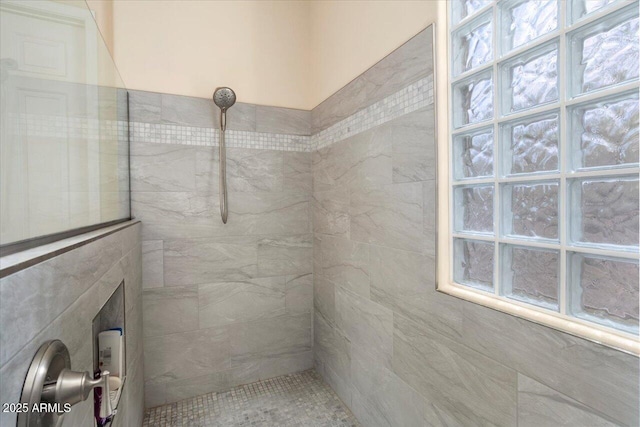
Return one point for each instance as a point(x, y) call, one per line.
point(413, 97)
point(409, 99)
point(189, 135)
point(33, 125)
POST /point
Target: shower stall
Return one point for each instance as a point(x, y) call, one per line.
point(250, 263)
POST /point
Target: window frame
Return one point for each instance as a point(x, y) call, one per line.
point(561, 320)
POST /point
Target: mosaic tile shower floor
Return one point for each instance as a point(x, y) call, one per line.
point(302, 400)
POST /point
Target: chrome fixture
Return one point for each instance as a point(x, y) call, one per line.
point(50, 380)
point(224, 98)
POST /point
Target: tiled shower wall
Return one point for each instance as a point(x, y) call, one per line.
point(397, 352)
point(58, 299)
point(223, 304)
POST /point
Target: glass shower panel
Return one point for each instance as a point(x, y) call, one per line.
point(64, 146)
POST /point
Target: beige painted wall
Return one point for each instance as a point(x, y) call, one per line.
point(260, 48)
point(291, 54)
point(103, 13)
point(347, 37)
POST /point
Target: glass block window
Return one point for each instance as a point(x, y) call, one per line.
point(544, 172)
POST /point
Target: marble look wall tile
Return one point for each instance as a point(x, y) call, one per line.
point(429, 215)
point(261, 368)
point(152, 264)
point(389, 215)
point(131, 414)
point(131, 238)
point(32, 298)
point(168, 215)
point(159, 393)
point(81, 414)
point(443, 414)
point(134, 330)
point(269, 227)
point(123, 269)
point(109, 100)
point(270, 338)
point(341, 385)
point(285, 255)
point(283, 120)
point(383, 399)
point(169, 310)
point(254, 170)
point(72, 324)
point(443, 370)
point(599, 377)
point(413, 146)
point(248, 170)
point(186, 354)
point(132, 267)
point(145, 106)
point(407, 64)
point(235, 301)
point(188, 111)
point(162, 167)
point(207, 169)
point(298, 175)
point(199, 261)
point(346, 263)
point(240, 117)
point(273, 212)
point(317, 255)
point(332, 347)
point(361, 161)
point(324, 297)
point(539, 405)
point(67, 327)
point(299, 293)
point(405, 283)
point(190, 215)
point(331, 212)
point(367, 325)
point(202, 112)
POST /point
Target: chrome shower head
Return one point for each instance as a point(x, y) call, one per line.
point(224, 97)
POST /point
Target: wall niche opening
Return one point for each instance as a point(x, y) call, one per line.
point(109, 352)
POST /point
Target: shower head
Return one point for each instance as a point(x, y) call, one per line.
point(224, 97)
